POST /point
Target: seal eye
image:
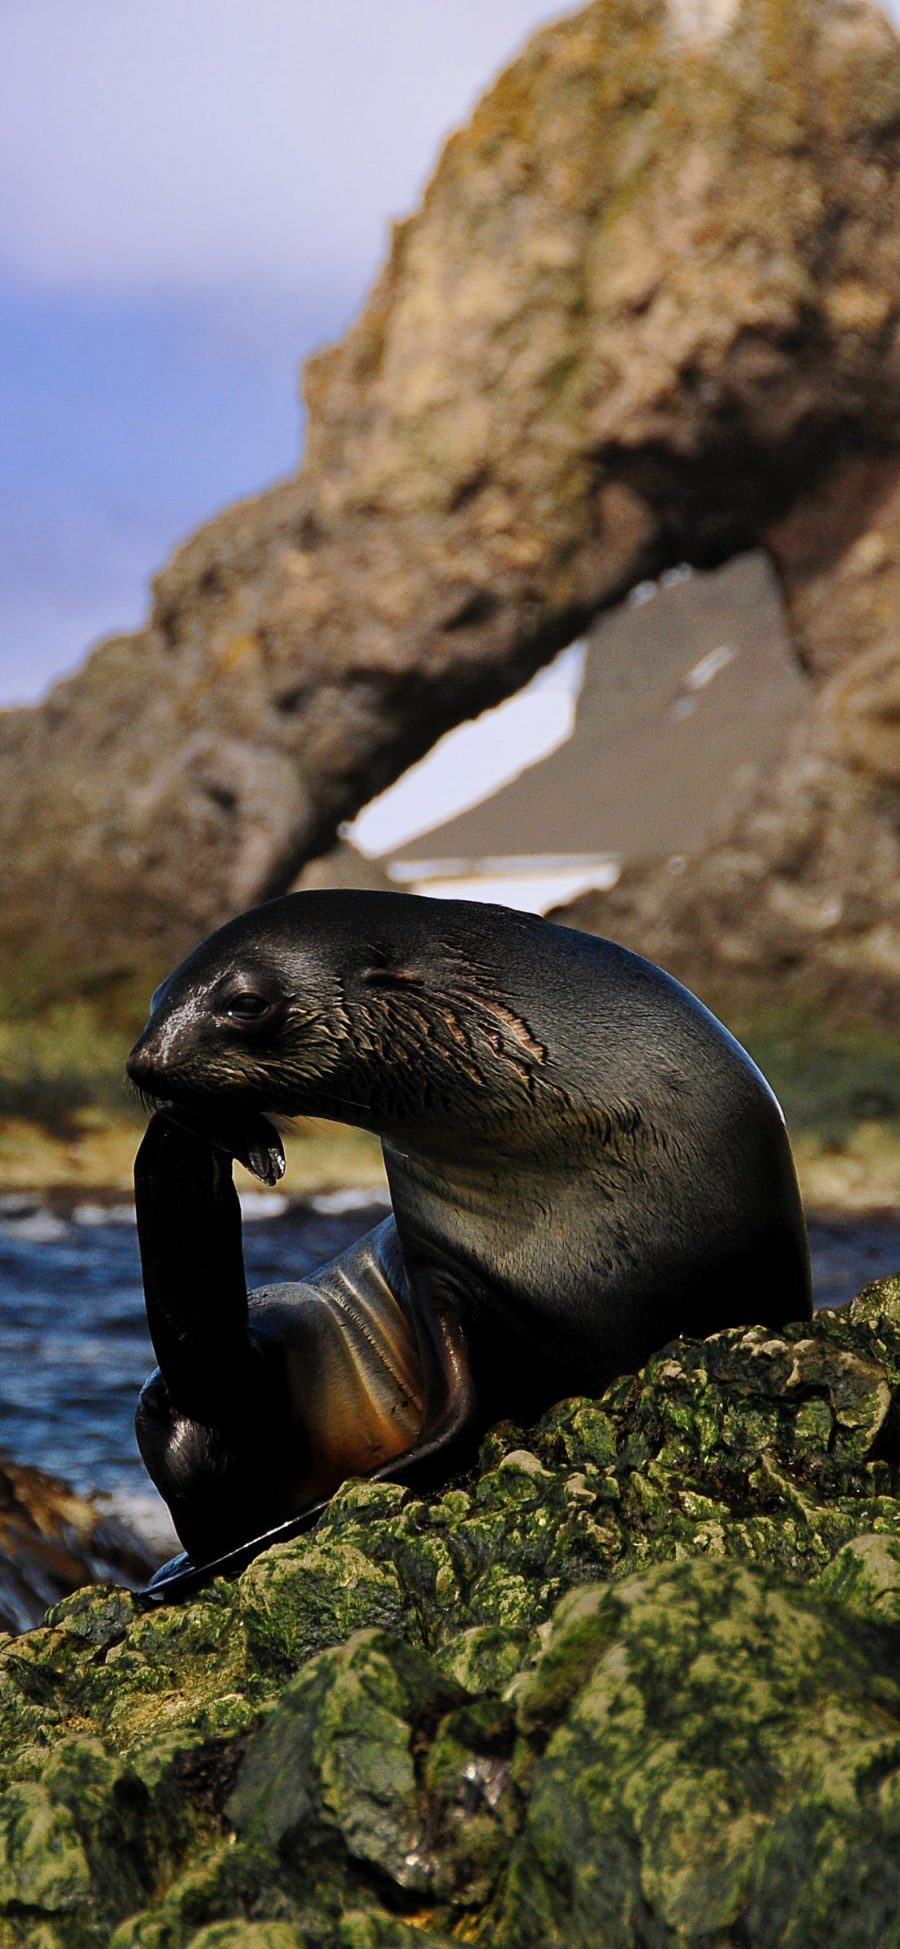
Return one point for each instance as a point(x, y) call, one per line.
point(247, 1007)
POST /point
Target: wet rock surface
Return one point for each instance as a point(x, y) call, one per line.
point(634, 1681)
point(52, 1541)
point(647, 313)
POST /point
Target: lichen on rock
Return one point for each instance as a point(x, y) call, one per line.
point(633, 1679)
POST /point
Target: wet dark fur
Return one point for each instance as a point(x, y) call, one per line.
point(583, 1162)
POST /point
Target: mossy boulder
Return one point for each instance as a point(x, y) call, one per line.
point(636, 1679)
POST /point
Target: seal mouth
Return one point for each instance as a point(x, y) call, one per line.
point(247, 1135)
point(250, 1137)
point(224, 1120)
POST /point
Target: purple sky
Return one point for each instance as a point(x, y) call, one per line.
point(193, 195)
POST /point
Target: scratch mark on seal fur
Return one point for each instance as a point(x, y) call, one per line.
point(516, 1027)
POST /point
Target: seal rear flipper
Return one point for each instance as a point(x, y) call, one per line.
point(182, 1575)
point(189, 1234)
point(446, 1442)
point(448, 1436)
point(246, 1135)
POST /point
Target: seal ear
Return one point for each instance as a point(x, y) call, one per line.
point(382, 969)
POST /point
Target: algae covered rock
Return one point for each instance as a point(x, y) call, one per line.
point(865, 1575)
point(706, 1750)
point(636, 1679)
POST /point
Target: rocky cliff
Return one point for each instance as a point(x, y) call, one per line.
point(635, 1681)
point(648, 312)
point(803, 887)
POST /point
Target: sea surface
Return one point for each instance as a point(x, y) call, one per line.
point(74, 1349)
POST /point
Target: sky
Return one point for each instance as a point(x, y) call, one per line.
point(193, 196)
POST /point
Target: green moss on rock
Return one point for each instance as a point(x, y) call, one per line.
point(342, 1588)
point(42, 1862)
point(689, 1739)
point(634, 1679)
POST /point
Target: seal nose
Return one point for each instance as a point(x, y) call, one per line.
point(144, 1068)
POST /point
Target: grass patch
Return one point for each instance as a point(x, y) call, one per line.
point(829, 1076)
point(66, 1061)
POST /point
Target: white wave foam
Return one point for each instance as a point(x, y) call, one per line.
point(144, 1512)
point(36, 1226)
point(97, 1214)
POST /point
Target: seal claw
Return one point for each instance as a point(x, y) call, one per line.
point(265, 1159)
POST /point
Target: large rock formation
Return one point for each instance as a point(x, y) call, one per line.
point(633, 1682)
point(650, 301)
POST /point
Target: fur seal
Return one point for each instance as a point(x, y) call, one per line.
point(583, 1164)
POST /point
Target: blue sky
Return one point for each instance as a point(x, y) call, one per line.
point(193, 195)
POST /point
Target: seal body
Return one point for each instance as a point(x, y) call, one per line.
point(583, 1162)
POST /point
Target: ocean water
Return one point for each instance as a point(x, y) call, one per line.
point(74, 1349)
